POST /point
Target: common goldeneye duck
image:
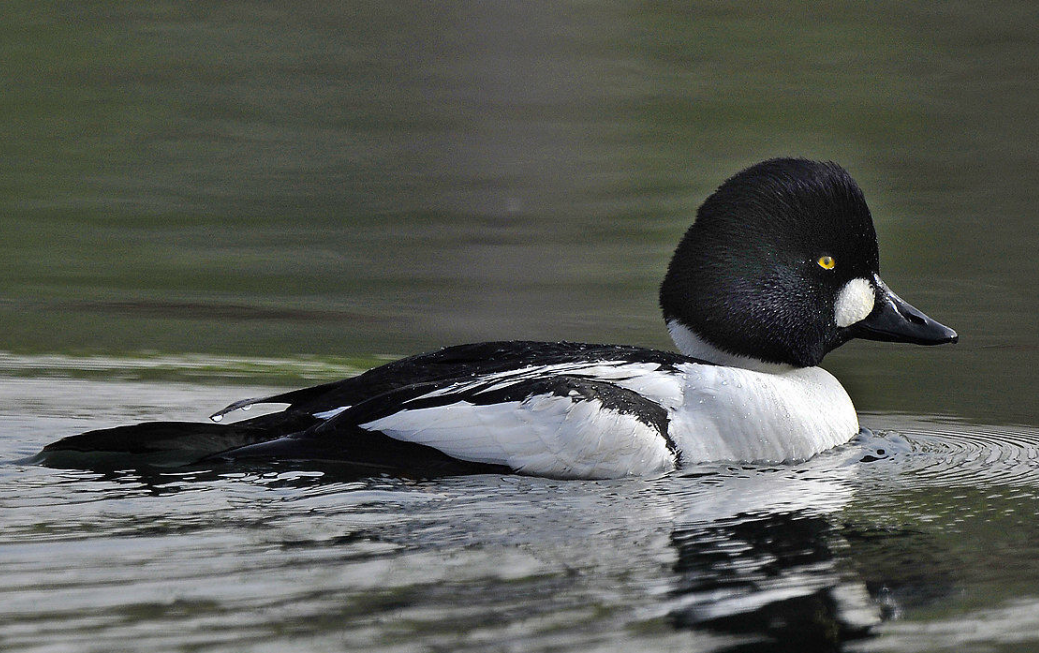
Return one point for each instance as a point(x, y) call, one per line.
point(780, 267)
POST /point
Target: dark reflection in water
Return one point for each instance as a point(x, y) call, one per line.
point(776, 579)
point(803, 582)
point(903, 568)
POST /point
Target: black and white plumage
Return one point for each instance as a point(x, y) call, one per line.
point(780, 267)
point(561, 409)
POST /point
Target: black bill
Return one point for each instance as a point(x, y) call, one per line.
point(895, 320)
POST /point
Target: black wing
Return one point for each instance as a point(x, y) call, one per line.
point(455, 364)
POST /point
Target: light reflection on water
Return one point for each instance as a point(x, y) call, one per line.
point(880, 545)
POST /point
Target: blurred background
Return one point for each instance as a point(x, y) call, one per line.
point(352, 182)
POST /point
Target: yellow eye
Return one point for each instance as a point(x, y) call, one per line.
point(826, 262)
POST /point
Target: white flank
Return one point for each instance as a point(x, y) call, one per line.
point(854, 302)
point(545, 435)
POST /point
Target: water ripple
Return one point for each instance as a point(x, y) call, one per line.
point(951, 451)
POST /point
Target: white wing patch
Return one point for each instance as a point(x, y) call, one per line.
point(610, 371)
point(546, 435)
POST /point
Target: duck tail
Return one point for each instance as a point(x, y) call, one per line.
point(164, 444)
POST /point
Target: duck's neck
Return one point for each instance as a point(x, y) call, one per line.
point(692, 345)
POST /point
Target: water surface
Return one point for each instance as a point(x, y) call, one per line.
point(919, 536)
point(201, 200)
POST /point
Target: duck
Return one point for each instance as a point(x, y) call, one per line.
point(780, 267)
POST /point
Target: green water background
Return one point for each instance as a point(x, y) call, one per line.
point(343, 181)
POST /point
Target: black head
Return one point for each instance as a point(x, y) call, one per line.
point(760, 272)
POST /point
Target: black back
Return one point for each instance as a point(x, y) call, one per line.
point(459, 363)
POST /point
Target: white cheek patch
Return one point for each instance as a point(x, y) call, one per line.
point(854, 302)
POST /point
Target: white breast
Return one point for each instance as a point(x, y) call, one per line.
point(728, 413)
